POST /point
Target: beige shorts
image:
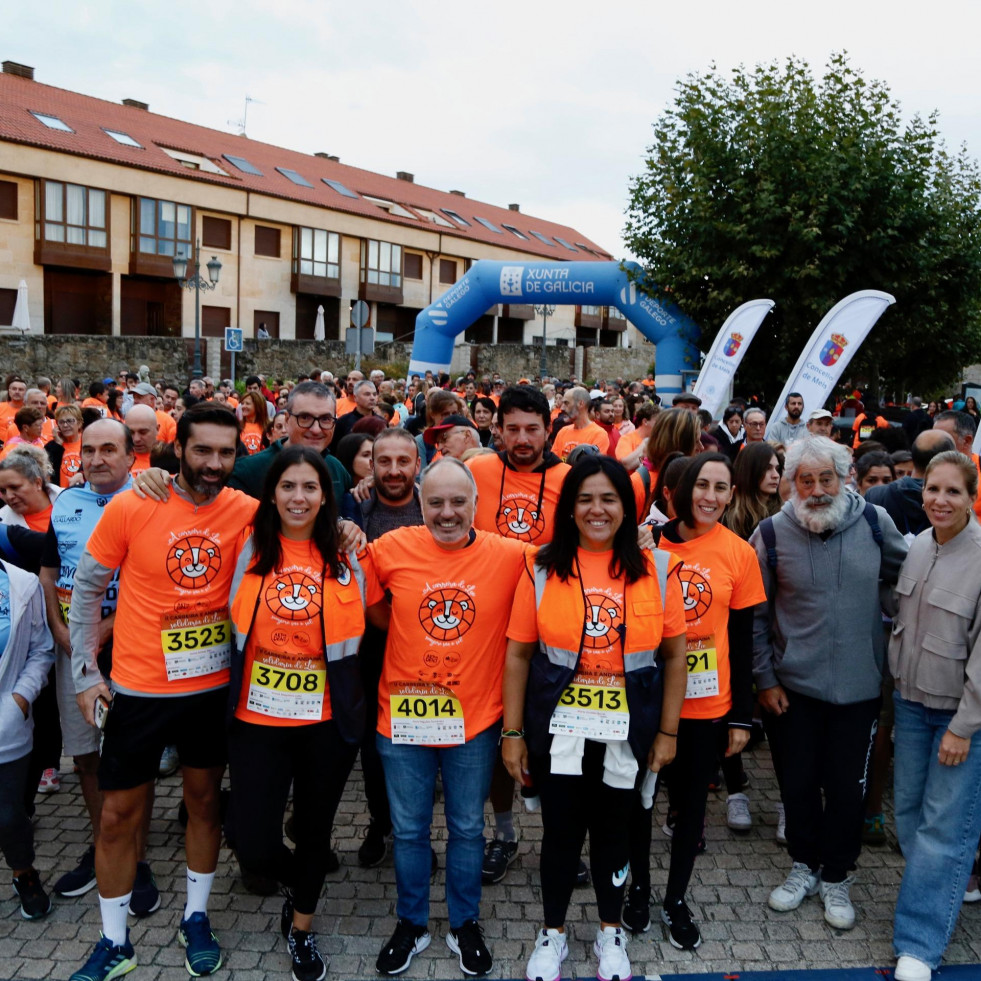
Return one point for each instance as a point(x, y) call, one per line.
point(77, 736)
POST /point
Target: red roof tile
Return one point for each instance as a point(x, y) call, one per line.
point(89, 118)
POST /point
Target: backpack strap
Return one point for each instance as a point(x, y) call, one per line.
point(873, 519)
point(770, 540)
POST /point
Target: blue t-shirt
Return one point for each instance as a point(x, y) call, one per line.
point(74, 516)
point(4, 610)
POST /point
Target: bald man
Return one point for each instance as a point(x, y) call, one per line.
point(146, 394)
point(141, 421)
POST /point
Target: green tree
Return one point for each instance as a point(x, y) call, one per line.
point(770, 183)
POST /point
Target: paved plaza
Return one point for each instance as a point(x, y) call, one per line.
point(357, 914)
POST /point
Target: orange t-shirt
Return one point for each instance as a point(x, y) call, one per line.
point(450, 611)
point(92, 403)
point(166, 427)
point(251, 437)
point(141, 462)
point(17, 441)
point(977, 500)
point(719, 573)
point(568, 438)
point(344, 405)
point(864, 426)
point(513, 504)
point(606, 635)
point(7, 412)
point(629, 443)
point(176, 560)
point(39, 520)
point(288, 633)
point(71, 462)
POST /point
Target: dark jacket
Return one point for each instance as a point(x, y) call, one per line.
point(903, 502)
point(249, 474)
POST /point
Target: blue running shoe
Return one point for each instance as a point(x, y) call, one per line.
point(107, 961)
point(203, 952)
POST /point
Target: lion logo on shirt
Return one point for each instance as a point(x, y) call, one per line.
point(603, 620)
point(519, 518)
point(193, 561)
point(293, 596)
point(446, 614)
point(71, 463)
point(697, 594)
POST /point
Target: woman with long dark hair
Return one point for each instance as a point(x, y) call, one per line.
point(295, 701)
point(597, 624)
point(756, 484)
point(721, 583)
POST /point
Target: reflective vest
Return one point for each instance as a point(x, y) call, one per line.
point(342, 616)
point(560, 613)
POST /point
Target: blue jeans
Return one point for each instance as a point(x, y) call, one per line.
point(938, 821)
point(410, 778)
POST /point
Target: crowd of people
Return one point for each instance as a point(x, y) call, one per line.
point(581, 592)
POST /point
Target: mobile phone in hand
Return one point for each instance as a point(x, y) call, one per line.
point(101, 712)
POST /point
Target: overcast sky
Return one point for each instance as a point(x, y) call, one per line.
point(544, 103)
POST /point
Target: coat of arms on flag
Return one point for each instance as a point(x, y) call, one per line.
point(833, 350)
point(732, 345)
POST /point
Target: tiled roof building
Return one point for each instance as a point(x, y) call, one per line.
point(97, 197)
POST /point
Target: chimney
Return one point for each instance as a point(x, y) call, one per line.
point(404, 175)
point(15, 68)
point(514, 207)
point(327, 156)
point(459, 194)
point(136, 104)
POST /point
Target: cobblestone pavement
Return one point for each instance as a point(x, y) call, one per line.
point(728, 899)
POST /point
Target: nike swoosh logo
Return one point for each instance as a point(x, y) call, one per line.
point(619, 878)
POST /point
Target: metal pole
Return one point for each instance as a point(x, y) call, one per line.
point(233, 368)
point(196, 372)
point(543, 366)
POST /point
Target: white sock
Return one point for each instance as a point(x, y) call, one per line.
point(114, 918)
point(198, 890)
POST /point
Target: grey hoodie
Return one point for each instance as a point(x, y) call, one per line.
point(821, 632)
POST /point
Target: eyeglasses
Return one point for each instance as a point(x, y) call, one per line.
point(306, 419)
point(758, 422)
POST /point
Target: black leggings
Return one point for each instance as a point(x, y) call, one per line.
point(700, 744)
point(263, 760)
point(571, 806)
point(370, 658)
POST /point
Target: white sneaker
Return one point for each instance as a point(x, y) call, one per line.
point(611, 949)
point(911, 969)
point(781, 825)
point(545, 963)
point(800, 883)
point(838, 909)
point(737, 812)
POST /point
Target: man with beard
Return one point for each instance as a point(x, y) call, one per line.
point(169, 673)
point(791, 428)
point(817, 661)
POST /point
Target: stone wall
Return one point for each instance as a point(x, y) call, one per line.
point(515, 361)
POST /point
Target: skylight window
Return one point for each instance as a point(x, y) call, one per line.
point(457, 218)
point(294, 177)
point(586, 248)
point(243, 165)
point(488, 224)
point(194, 161)
point(339, 187)
point(52, 122)
point(541, 238)
point(514, 231)
point(123, 138)
point(564, 243)
point(391, 207)
point(435, 218)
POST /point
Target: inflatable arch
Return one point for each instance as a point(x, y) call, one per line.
point(488, 283)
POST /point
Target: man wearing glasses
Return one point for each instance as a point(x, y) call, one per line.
point(310, 419)
point(754, 422)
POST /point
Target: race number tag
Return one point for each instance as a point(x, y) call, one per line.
point(593, 707)
point(425, 715)
point(864, 432)
point(64, 602)
point(196, 644)
point(703, 668)
point(287, 693)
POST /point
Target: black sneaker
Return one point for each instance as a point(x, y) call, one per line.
point(637, 910)
point(146, 896)
point(34, 901)
point(286, 915)
point(81, 878)
point(468, 941)
point(682, 932)
point(308, 962)
point(407, 941)
point(498, 855)
point(374, 848)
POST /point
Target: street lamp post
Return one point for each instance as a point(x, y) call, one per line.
point(197, 284)
point(546, 312)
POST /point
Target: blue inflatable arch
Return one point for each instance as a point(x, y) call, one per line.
point(488, 283)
